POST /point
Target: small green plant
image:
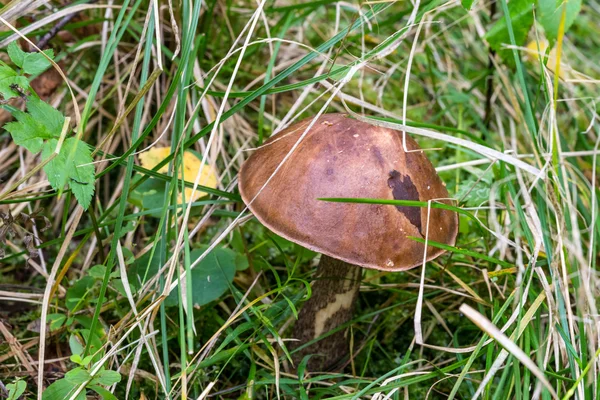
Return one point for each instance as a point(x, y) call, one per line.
point(82, 375)
point(16, 389)
point(42, 128)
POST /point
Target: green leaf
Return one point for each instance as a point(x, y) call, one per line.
point(96, 342)
point(106, 395)
point(6, 71)
point(16, 54)
point(521, 16)
point(75, 345)
point(47, 115)
point(76, 358)
point(87, 360)
point(27, 132)
point(82, 174)
point(106, 377)
point(128, 256)
point(143, 269)
point(77, 376)
point(78, 173)
point(467, 4)
point(241, 262)
point(550, 12)
point(56, 321)
point(211, 277)
point(62, 389)
point(16, 389)
point(76, 294)
point(42, 122)
point(36, 63)
point(6, 81)
point(119, 286)
point(97, 271)
point(149, 195)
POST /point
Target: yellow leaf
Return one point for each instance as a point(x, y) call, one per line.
point(534, 53)
point(191, 164)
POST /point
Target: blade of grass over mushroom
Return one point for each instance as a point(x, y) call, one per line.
point(459, 250)
point(404, 203)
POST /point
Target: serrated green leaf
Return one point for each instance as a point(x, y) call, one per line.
point(521, 16)
point(5, 86)
point(47, 115)
point(83, 174)
point(106, 377)
point(27, 132)
point(42, 122)
point(55, 169)
point(78, 174)
point(36, 63)
point(550, 13)
point(62, 389)
point(16, 54)
point(211, 277)
point(6, 71)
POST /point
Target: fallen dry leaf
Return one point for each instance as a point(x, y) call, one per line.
point(191, 164)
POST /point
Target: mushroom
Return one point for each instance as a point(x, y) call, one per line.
point(343, 157)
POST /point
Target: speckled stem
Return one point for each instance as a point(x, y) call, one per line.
point(331, 305)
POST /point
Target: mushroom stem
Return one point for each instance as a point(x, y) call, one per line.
point(333, 296)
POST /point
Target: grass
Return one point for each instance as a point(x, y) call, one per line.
point(508, 312)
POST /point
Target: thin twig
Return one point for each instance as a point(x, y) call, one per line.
point(58, 27)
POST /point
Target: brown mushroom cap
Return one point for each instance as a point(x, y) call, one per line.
point(344, 157)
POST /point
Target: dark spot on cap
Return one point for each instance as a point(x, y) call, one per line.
point(378, 155)
point(404, 189)
point(414, 160)
point(329, 171)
